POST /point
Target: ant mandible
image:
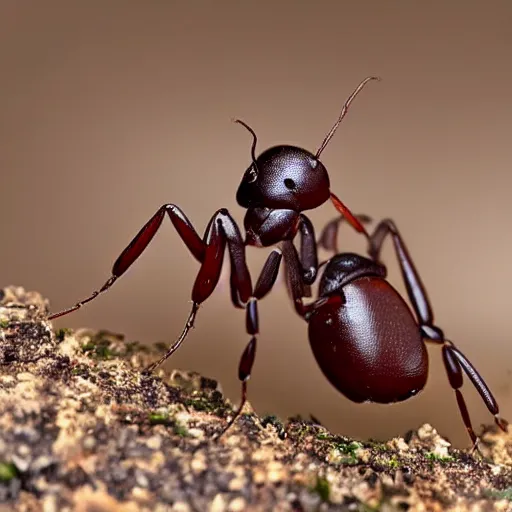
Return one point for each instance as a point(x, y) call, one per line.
point(279, 185)
point(363, 334)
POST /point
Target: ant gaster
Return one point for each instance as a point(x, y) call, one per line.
point(278, 186)
point(363, 334)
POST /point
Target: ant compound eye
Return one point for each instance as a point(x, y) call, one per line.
point(252, 175)
point(289, 183)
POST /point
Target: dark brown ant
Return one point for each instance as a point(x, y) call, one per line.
point(280, 184)
point(363, 334)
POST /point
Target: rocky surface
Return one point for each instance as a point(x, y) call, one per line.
point(83, 428)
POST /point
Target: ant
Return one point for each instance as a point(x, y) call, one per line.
point(278, 186)
point(357, 313)
point(363, 334)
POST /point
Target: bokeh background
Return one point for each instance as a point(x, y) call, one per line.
point(110, 109)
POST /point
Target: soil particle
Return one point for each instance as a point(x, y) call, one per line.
point(83, 428)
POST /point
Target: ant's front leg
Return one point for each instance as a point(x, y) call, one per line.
point(209, 251)
point(454, 360)
point(141, 241)
point(221, 230)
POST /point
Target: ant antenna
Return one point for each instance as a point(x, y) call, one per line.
point(344, 110)
point(254, 139)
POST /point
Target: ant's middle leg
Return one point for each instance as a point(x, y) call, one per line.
point(263, 286)
point(297, 288)
point(297, 285)
point(308, 259)
point(454, 360)
point(308, 251)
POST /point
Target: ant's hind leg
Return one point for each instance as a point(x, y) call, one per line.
point(454, 360)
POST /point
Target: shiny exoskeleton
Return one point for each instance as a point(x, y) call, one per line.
point(363, 334)
point(368, 335)
point(279, 185)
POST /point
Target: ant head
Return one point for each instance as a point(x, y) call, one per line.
point(288, 177)
point(284, 177)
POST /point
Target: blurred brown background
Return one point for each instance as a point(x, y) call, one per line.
point(110, 109)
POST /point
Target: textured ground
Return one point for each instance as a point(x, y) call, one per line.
point(83, 429)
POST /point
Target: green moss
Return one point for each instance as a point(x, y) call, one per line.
point(60, 334)
point(163, 418)
point(322, 488)
point(272, 419)
point(80, 371)
point(377, 446)
point(8, 471)
point(345, 447)
point(134, 347)
point(104, 352)
point(345, 453)
point(198, 404)
point(4, 324)
point(159, 418)
point(349, 448)
point(363, 507)
point(100, 346)
point(342, 451)
point(303, 431)
point(433, 457)
point(393, 462)
point(180, 429)
point(505, 494)
point(203, 404)
point(99, 349)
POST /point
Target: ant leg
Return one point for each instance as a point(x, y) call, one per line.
point(454, 359)
point(308, 251)
point(264, 285)
point(454, 371)
point(296, 286)
point(268, 274)
point(415, 287)
point(244, 374)
point(478, 382)
point(329, 237)
point(349, 216)
point(209, 251)
point(221, 230)
point(206, 280)
point(139, 243)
